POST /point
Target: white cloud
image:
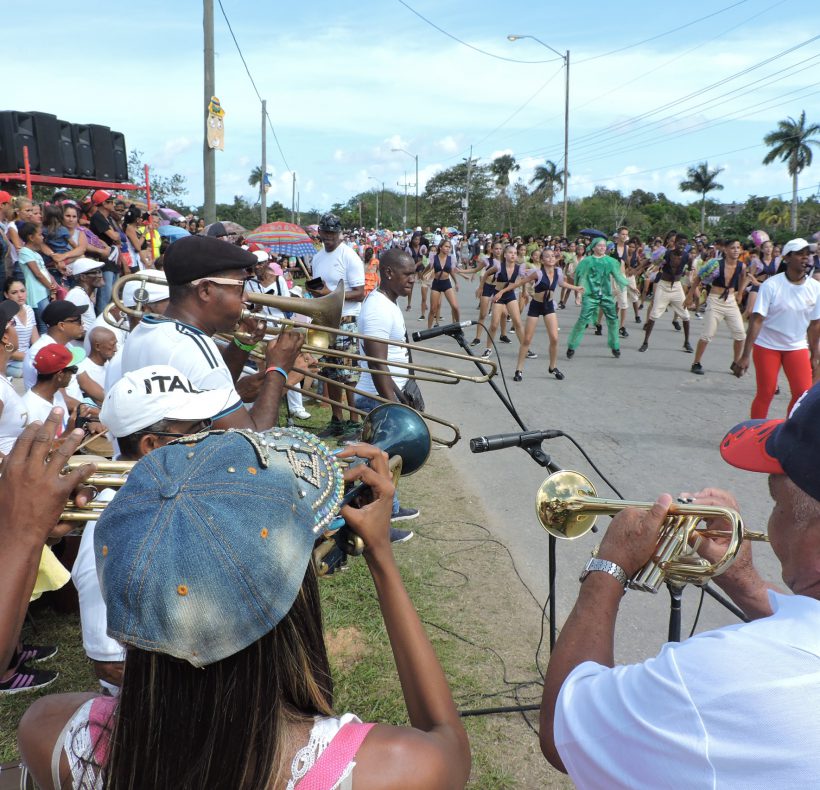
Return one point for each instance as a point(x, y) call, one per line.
point(449, 145)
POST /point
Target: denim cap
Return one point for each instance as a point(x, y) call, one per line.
point(203, 550)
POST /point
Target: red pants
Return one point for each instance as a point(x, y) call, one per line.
point(796, 366)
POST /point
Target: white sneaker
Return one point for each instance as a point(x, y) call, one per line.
point(300, 414)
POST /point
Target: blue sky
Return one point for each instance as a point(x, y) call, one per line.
point(345, 83)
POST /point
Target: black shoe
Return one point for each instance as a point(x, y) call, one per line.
point(27, 680)
point(335, 428)
point(616, 353)
point(677, 326)
point(622, 332)
point(487, 353)
point(697, 368)
point(637, 319)
point(504, 339)
point(404, 514)
point(518, 376)
point(532, 355)
point(33, 654)
point(475, 342)
point(688, 349)
point(570, 353)
point(599, 330)
point(557, 373)
point(400, 535)
point(643, 347)
point(561, 306)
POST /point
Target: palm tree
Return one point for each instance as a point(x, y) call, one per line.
point(775, 215)
point(257, 179)
point(791, 142)
point(702, 180)
point(548, 180)
point(501, 168)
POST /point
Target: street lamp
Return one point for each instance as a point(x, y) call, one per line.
point(565, 58)
point(373, 178)
point(416, 157)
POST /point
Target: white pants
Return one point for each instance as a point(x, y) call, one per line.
point(718, 310)
point(295, 399)
point(668, 295)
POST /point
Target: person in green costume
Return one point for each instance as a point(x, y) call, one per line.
point(593, 274)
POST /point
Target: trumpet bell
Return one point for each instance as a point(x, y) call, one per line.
point(400, 431)
point(323, 311)
point(557, 507)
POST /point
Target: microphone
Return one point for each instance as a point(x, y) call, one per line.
point(446, 329)
point(484, 444)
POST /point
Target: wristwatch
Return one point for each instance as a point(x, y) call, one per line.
point(596, 564)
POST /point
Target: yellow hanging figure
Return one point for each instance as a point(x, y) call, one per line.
point(216, 126)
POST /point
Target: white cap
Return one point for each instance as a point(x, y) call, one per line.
point(156, 291)
point(795, 245)
point(261, 256)
point(83, 265)
point(158, 392)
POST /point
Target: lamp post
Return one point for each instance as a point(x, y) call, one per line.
point(416, 157)
point(565, 58)
point(373, 178)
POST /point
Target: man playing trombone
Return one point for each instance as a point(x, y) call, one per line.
point(206, 280)
point(726, 708)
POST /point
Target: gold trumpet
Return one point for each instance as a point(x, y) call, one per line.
point(395, 429)
point(567, 508)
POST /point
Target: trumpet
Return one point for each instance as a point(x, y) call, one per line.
point(395, 429)
point(567, 508)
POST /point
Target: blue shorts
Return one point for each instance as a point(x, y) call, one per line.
point(488, 291)
point(442, 285)
point(537, 309)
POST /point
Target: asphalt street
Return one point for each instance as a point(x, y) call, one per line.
point(647, 422)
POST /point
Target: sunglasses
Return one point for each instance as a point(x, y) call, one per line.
point(222, 280)
point(75, 320)
point(202, 425)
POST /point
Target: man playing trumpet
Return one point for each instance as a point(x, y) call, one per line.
point(723, 708)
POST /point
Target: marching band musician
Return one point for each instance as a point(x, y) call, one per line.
point(206, 280)
point(728, 708)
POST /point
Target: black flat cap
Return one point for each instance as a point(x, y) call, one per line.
point(8, 309)
point(59, 310)
point(192, 257)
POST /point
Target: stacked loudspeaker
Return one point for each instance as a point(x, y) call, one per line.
point(61, 149)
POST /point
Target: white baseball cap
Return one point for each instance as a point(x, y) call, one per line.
point(156, 291)
point(795, 245)
point(159, 392)
point(83, 265)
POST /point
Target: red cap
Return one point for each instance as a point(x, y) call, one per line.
point(53, 358)
point(100, 196)
point(5, 197)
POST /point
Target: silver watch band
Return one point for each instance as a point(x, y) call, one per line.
point(605, 566)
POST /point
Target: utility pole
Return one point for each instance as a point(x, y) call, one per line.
point(566, 143)
point(298, 212)
point(467, 196)
point(208, 153)
point(293, 200)
point(417, 190)
point(405, 185)
point(263, 195)
point(383, 211)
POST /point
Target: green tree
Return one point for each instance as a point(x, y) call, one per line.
point(791, 142)
point(776, 215)
point(501, 168)
point(165, 190)
point(549, 181)
point(702, 180)
point(440, 203)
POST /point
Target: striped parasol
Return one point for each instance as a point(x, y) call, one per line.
point(282, 238)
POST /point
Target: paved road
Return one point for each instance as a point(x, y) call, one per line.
point(648, 423)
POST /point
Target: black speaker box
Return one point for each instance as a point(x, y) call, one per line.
point(68, 155)
point(83, 152)
point(47, 132)
point(103, 152)
point(17, 131)
point(120, 157)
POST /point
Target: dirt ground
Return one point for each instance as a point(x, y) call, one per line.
point(494, 623)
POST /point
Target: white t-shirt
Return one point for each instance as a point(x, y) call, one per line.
point(341, 264)
point(80, 298)
point(787, 308)
point(13, 417)
point(30, 372)
point(161, 341)
point(96, 642)
point(95, 372)
point(380, 317)
point(38, 408)
point(730, 708)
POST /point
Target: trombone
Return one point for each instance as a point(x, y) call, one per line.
point(395, 429)
point(567, 508)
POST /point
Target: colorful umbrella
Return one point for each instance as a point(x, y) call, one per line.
point(170, 214)
point(172, 232)
point(282, 238)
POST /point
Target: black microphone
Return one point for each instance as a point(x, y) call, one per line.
point(447, 329)
point(484, 444)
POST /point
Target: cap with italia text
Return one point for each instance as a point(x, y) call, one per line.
point(145, 396)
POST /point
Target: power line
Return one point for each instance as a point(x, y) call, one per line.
point(470, 46)
point(253, 83)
